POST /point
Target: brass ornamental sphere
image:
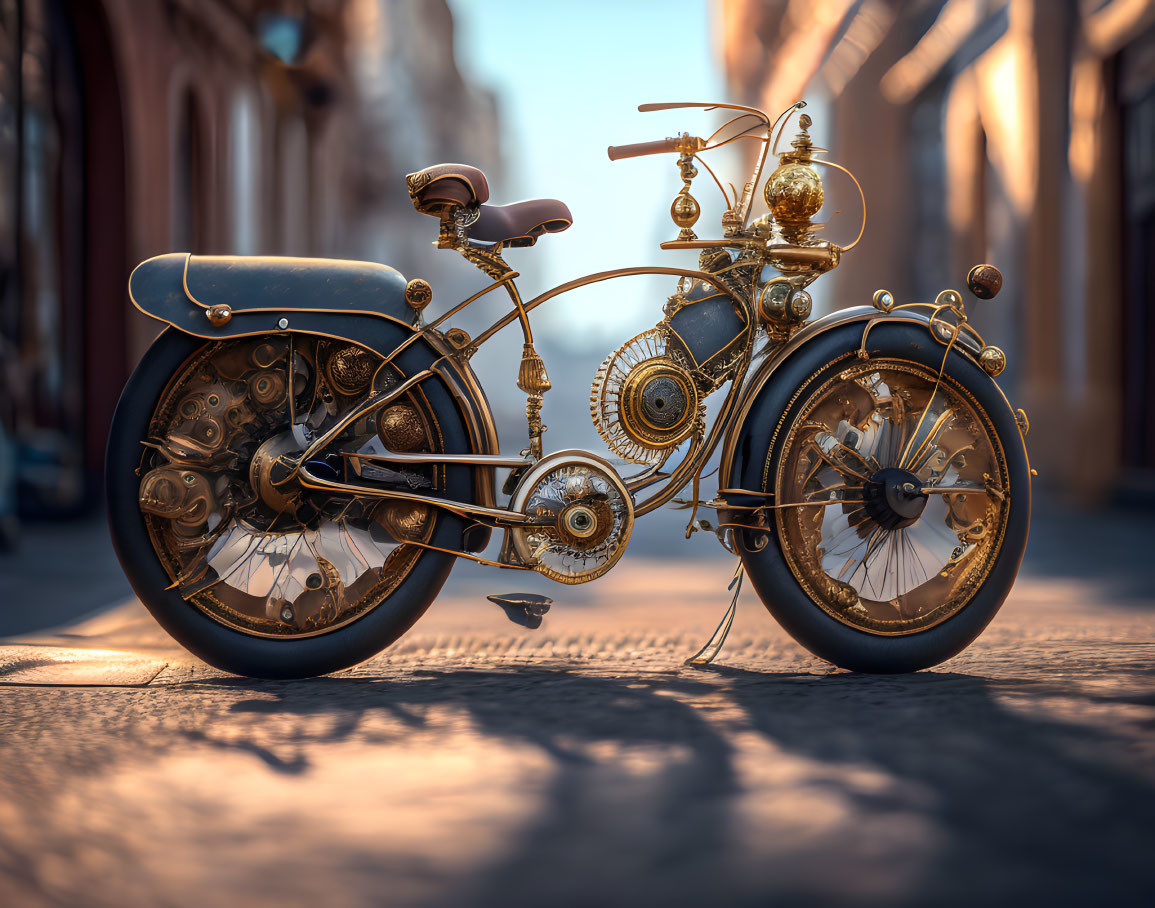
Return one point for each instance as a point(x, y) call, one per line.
point(418, 293)
point(984, 281)
point(773, 299)
point(800, 306)
point(794, 193)
point(685, 210)
point(993, 361)
point(401, 428)
point(405, 521)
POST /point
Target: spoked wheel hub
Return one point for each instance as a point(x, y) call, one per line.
point(240, 538)
point(894, 498)
point(891, 491)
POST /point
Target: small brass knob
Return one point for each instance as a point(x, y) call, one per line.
point(418, 293)
point(883, 300)
point(219, 316)
point(993, 361)
point(985, 281)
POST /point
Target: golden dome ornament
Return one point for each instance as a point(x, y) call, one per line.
point(794, 191)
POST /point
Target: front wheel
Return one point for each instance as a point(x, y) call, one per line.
point(901, 498)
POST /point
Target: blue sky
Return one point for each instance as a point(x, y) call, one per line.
point(569, 77)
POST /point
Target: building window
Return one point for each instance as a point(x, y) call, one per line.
point(188, 193)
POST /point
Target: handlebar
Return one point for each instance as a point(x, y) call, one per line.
point(661, 146)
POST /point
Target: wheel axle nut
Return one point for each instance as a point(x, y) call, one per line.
point(581, 521)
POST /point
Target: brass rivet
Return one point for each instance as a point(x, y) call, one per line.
point(219, 316)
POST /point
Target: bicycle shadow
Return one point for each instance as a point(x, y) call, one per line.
point(980, 797)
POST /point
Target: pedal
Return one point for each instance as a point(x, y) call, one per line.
point(525, 609)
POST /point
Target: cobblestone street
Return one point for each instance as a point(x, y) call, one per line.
point(475, 763)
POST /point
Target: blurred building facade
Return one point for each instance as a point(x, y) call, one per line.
point(129, 128)
point(1020, 132)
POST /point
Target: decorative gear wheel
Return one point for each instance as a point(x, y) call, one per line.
point(582, 515)
point(644, 402)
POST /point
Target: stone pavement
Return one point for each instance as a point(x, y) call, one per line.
point(477, 764)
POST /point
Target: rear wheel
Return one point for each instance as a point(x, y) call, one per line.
point(902, 499)
point(255, 575)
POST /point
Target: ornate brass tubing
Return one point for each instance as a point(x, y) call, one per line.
point(600, 276)
point(485, 460)
point(500, 516)
point(441, 319)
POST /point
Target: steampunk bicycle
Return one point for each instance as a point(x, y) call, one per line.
point(301, 456)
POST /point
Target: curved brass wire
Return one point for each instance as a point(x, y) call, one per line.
point(744, 135)
point(707, 105)
point(861, 195)
point(730, 122)
point(717, 182)
point(785, 118)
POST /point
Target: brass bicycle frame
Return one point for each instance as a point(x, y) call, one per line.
point(691, 464)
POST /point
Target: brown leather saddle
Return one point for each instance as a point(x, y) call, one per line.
point(438, 189)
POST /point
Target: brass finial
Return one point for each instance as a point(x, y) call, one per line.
point(685, 210)
point(794, 191)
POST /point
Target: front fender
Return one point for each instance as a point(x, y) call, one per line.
point(763, 372)
point(357, 302)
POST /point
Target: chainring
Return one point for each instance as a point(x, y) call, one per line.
point(561, 487)
point(644, 402)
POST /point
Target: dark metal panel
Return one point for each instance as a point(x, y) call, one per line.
point(707, 326)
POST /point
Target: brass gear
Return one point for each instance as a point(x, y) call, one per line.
point(561, 486)
point(644, 402)
point(658, 403)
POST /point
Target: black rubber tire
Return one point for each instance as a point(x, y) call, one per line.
point(220, 646)
point(775, 583)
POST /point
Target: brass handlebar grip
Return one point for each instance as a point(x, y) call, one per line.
point(617, 152)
